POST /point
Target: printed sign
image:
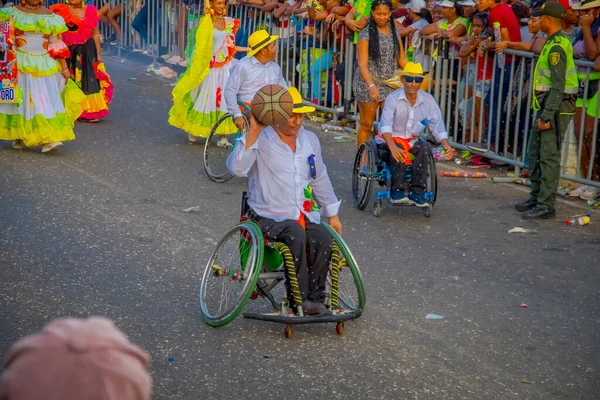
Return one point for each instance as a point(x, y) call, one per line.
point(9, 73)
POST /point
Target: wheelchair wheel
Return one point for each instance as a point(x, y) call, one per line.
point(231, 274)
point(347, 291)
point(432, 180)
point(362, 175)
point(215, 157)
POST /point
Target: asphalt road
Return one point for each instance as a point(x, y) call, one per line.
point(98, 229)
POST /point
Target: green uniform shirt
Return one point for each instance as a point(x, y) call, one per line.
point(556, 100)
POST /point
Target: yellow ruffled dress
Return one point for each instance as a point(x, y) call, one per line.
point(198, 97)
point(48, 106)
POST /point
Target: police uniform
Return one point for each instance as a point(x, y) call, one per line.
point(555, 86)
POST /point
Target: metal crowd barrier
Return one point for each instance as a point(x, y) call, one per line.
point(506, 140)
point(309, 56)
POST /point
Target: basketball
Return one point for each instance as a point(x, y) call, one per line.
point(272, 105)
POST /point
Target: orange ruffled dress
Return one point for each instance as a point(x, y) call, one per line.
point(87, 73)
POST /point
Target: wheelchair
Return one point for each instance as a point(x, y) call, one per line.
point(215, 158)
point(369, 167)
point(245, 266)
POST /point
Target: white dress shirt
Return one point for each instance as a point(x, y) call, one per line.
point(246, 78)
point(278, 177)
point(401, 119)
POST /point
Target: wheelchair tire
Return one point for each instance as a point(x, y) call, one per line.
point(432, 180)
point(215, 158)
point(231, 274)
point(362, 181)
point(351, 292)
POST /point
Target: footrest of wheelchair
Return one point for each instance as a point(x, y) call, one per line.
point(295, 320)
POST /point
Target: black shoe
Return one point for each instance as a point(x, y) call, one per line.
point(315, 309)
point(539, 213)
point(526, 205)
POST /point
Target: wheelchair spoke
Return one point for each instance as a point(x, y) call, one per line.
point(230, 275)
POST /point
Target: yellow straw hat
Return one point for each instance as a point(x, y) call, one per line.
point(412, 69)
point(259, 40)
point(299, 107)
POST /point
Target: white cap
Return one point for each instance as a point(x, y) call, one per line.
point(445, 3)
point(466, 3)
point(416, 5)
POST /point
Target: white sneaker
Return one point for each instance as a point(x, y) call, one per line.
point(192, 138)
point(51, 147)
point(578, 192)
point(591, 193)
point(183, 63)
point(223, 142)
point(18, 145)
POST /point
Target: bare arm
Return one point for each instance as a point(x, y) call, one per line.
point(355, 25)
point(402, 57)
point(524, 46)
point(459, 31)
point(362, 51)
point(429, 29)
point(316, 15)
point(96, 35)
point(597, 64)
point(270, 6)
point(340, 11)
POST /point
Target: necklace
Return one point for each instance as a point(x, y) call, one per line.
point(32, 7)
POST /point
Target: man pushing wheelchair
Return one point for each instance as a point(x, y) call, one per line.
point(290, 191)
point(406, 114)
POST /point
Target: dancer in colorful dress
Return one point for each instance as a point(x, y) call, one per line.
point(198, 100)
point(47, 107)
point(85, 63)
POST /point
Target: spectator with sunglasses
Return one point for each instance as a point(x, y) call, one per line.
point(406, 114)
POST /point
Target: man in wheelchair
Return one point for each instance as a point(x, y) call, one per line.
point(406, 114)
point(290, 191)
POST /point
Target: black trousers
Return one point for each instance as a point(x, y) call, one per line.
point(418, 181)
point(311, 249)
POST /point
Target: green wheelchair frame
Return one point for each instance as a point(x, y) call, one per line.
point(259, 265)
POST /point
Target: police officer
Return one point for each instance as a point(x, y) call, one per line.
point(556, 86)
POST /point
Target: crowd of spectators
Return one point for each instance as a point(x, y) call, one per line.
point(487, 85)
point(343, 52)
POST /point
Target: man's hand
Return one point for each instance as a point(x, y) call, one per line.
point(543, 126)
point(240, 122)
point(255, 126)
point(330, 18)
point(398, 153)
point(336, 224)
point(449, 150)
